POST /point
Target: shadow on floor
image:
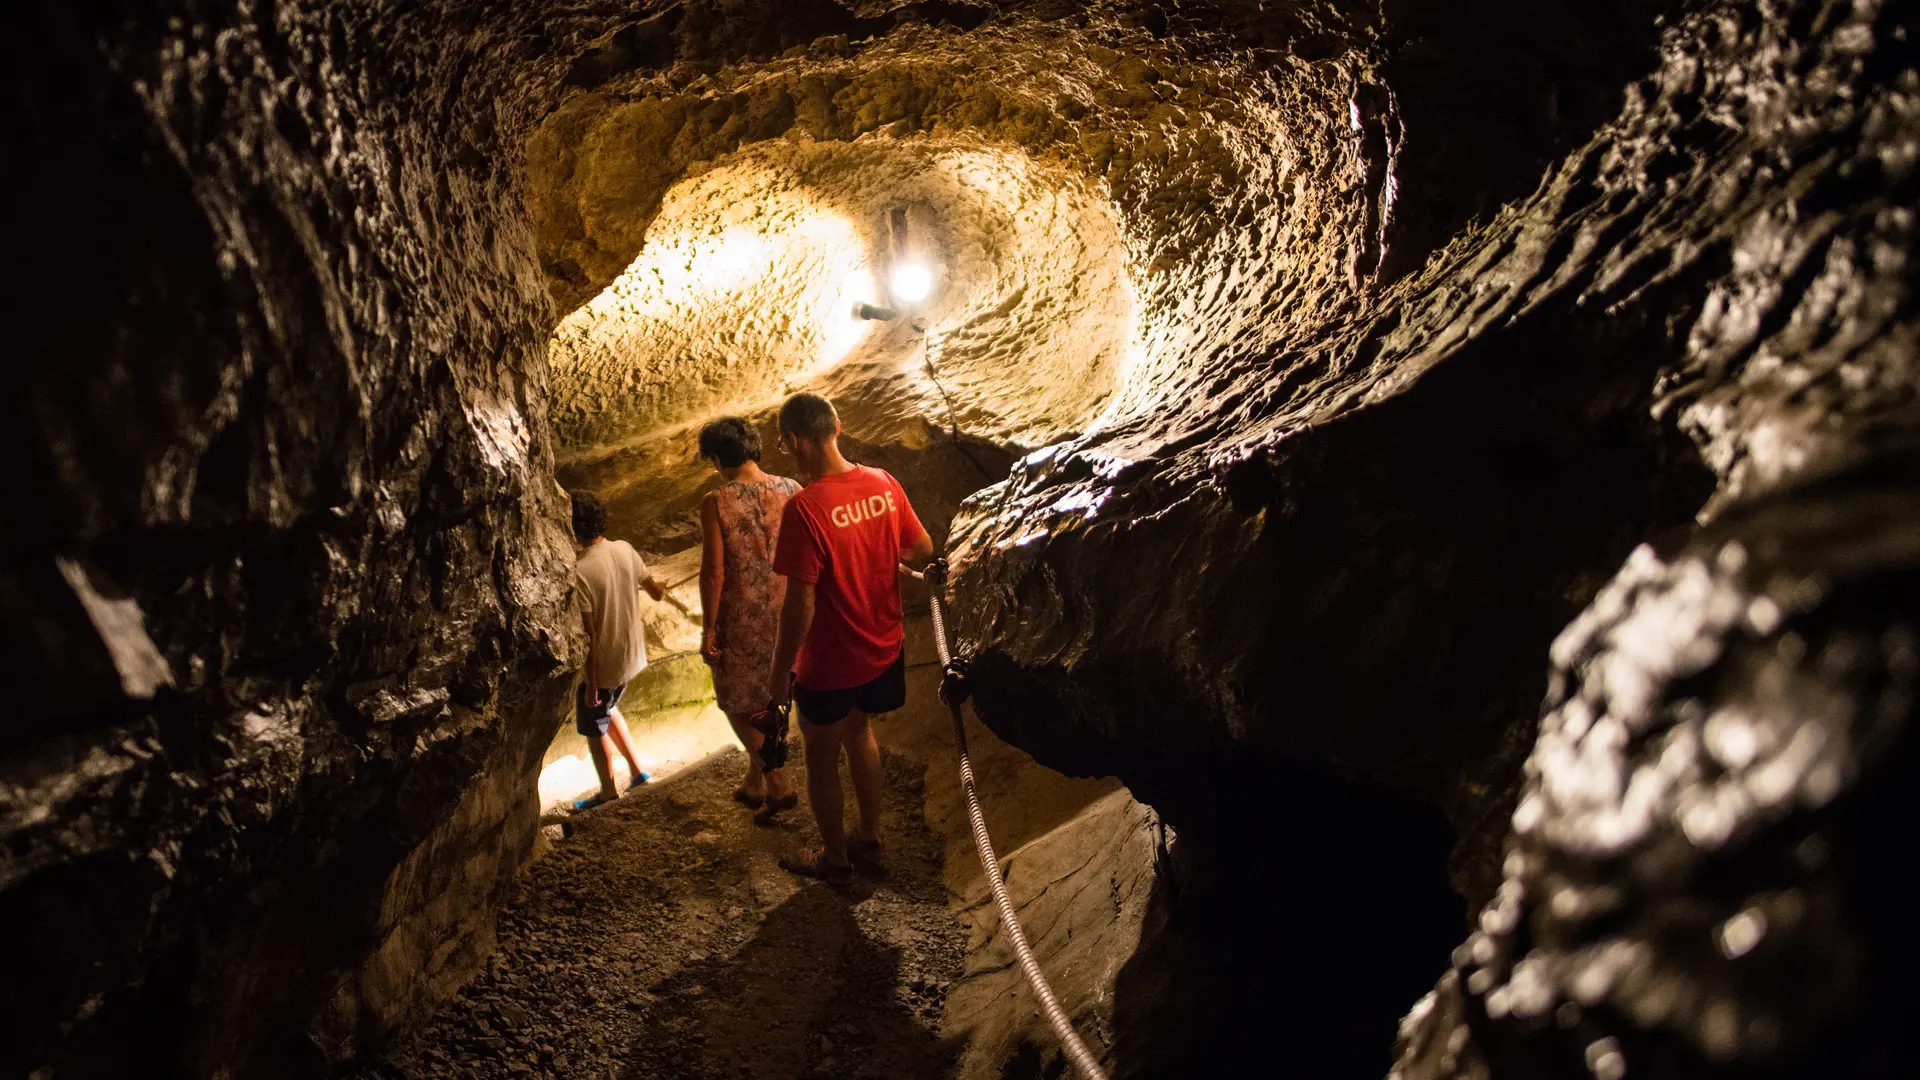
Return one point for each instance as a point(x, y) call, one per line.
point(811, 995)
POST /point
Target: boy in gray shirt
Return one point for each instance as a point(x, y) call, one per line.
point(608, 578)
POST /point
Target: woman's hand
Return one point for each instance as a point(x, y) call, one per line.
point(709, 648)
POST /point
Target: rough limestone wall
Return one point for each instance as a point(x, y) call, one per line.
point(1085, 890)
point(1363, 539)
point(746, 285)
point(284, 579)
point(1270, 313)
point(1703, 876)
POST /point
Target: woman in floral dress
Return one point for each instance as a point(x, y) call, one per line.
point(740, 595)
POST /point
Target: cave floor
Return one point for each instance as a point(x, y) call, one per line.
point(661, 939)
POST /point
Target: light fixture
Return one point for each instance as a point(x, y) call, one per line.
point(911, 283)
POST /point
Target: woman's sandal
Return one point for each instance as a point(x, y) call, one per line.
point(868, 855)
point(751, 802)
point(814, 865)
point(590, 802)
point(776, 804)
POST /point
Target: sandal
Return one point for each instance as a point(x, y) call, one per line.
point(590, 802)
point(868, 855)
point(814, 865)
point(776, 804)
point(751, 802)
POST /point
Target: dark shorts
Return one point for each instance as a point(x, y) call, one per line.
point(591, 720)
point(887, 692)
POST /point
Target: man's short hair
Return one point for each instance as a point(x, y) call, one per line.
point(809, 416)
point(589, 518)
point(729, 442)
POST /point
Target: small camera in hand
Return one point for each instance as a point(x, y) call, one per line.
point(773, 722)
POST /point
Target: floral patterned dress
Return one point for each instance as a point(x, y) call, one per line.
point(751, 593)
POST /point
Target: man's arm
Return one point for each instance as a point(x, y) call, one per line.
point(919, 545)
point(920, 548)
point(713, 574)
point(796, 616)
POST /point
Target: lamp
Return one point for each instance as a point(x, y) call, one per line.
point(910, 283)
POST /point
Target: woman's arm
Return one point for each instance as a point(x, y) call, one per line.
point(713, 575)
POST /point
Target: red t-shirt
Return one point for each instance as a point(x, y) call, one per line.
point(844, 533)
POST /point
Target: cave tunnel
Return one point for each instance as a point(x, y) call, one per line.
point(1431, 491)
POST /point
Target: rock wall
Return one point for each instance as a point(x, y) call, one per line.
point(1698, 877)
point(285, 579)
point(1438, 311)
point(1361, 547)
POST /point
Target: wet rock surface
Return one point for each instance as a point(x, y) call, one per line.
point(1439, 312)
point(1725, 261)
point(660, 938)
point(1707, 871)
point(285, 597)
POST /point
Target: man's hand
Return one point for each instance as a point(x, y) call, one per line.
point(709, 648)
point(779, 689)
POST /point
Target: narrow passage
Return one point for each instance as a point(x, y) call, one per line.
point(660, 939)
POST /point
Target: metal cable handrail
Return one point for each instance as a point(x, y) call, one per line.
point(1083, 1059)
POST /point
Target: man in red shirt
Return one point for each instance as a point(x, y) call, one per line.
point(842, 541)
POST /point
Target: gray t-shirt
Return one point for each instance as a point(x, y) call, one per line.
point(607, 579)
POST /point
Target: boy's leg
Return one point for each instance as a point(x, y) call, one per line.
point(617, 728)
point(869, 778)
point(591, 723)
point(823, 788)
point(603, 765)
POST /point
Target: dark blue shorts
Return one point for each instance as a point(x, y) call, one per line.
point(590, 719)
point(887, 692)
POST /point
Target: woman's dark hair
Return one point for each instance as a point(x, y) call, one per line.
point(729, 442)
point(589, 518)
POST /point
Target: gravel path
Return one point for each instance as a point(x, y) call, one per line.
point(661, 939)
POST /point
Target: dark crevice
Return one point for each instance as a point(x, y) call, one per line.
point(1302, 912)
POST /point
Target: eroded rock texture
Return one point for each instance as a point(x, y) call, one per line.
point(284, 572)
point(1342, 353)
point(1348, 556)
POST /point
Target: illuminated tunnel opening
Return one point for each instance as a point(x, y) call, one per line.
point(947, 296)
